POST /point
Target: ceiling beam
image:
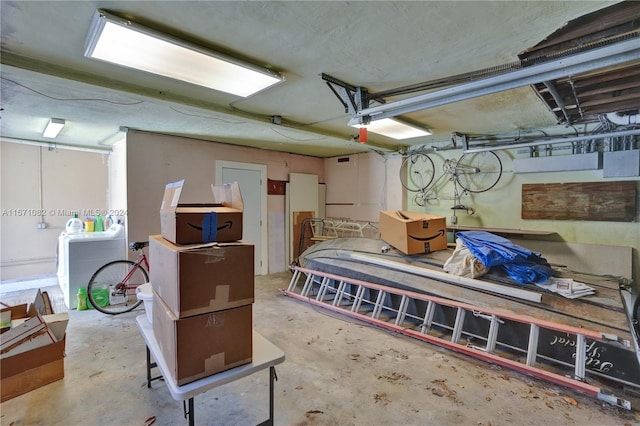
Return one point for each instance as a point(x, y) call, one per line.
point(67, 73)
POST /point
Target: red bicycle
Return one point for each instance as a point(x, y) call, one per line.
point(112, 288)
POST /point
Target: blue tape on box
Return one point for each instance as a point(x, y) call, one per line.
point(210, 227)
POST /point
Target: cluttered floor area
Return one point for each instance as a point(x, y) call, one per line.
point(337, 371)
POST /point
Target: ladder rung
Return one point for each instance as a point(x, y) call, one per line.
point(377, 309)
point(428, 317)
point(357, 300)
point(532, 348)
point(323, 288)
point(581, 356)
point(294, 280)
point(339, 293)
point(457, 327)
point(402, 310)
point(493, 334)
point(308, 284)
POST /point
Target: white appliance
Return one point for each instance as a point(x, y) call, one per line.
point(80, 255)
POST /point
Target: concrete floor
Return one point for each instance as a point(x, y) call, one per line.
point(336, 372)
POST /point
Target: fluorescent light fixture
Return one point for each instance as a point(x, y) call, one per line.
point(120, 41)
point(392, 128)
point(53, 128)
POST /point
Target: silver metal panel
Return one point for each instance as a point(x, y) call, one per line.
point(621, 163)
point(559, 163)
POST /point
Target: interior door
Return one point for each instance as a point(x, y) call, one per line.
point(301, 196)
point(252, 181)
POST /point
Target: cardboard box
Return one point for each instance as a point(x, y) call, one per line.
point(57, 323)
point(197, 279)
point(220, 220)
point(30, 370)
point(28, 335)
point(413, 233)
point(25, 367)
point(202, 345)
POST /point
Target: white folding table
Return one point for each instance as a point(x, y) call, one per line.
point(265, 355)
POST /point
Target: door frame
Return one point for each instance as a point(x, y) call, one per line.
point(264, 242)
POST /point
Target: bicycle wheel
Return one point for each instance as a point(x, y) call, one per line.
point(108, 291)
point(417, 172)
point(478, 171)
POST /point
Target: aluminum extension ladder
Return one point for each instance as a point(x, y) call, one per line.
point(370, 303)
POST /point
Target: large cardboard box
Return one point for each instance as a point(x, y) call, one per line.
point(201, 278)
point(413, 233)
point(202, 345)
point(219, 220)
point(27, 366)
point(30, 370)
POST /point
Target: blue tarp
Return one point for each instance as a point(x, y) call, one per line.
point(520, 264)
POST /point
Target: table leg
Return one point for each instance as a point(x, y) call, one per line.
point(272, 377)
point(151, 365)
point(148, 367)
point(188, 413)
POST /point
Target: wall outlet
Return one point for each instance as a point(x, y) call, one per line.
point(41, 225)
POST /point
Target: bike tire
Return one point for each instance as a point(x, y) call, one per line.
point(108, 278)
point(488, 170)
point(417, 172)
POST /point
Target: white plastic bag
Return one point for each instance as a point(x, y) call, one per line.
point(463, 263)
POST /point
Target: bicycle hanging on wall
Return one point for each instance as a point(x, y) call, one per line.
point(471, 173)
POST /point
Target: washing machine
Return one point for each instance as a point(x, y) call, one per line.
point(80, 255)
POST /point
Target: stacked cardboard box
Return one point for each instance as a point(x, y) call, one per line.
point(31, 347)
point(413, 233)
point(202, 276)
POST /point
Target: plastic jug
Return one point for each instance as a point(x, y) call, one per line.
point(98, 225)
point(74, 225)
point(88, 225)
point(82, 299)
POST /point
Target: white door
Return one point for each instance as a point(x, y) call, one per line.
point(252, 180)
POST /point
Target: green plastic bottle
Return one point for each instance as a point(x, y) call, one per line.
point(82, 299)
point(99, 224)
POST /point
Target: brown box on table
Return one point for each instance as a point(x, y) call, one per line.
point(203, 345)
point(190, 223)
point(201, 278)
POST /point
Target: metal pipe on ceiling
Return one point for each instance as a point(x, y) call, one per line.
point(54, 145)
point(594, 136)
point(591, 60)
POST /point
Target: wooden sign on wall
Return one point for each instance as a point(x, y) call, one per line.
point(599, 201)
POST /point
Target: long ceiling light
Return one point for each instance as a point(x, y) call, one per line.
point(391, 128)
point(120, 41)
point(54, 126)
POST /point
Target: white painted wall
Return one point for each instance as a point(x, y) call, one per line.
point(154, 160)
point(57, 182)
point(500, 207)
point(78, 180)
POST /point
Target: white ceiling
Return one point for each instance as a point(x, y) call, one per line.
point(377, 45)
